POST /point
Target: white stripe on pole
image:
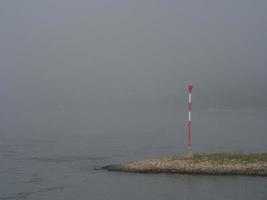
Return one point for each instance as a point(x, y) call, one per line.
point(189, 97)
point(189, 117)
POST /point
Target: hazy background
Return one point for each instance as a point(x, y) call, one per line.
point(88, 83)
point(74, 67)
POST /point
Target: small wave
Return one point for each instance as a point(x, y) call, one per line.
point(20, 195)
point(64, 159)
point(25, 195)
point(34, 180)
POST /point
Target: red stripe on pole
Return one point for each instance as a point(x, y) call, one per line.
point(189, 137)
point(190, 87)
point(190, 106)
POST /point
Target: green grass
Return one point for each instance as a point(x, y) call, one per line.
point(223, 157)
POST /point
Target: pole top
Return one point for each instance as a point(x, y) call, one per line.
point(190, 87)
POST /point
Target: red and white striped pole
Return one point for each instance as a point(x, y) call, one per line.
point(189, 144)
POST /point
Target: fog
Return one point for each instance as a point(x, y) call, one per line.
point(80, 67)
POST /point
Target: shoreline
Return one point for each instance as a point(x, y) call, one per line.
point(205, 164)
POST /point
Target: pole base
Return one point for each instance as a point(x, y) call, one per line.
point(189, 152)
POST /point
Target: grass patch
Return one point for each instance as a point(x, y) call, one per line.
point(224, 157)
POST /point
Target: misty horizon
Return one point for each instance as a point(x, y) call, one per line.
point(82, 62)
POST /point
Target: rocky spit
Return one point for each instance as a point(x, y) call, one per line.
point(199, 164)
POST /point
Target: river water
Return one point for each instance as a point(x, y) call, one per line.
point(68, 166)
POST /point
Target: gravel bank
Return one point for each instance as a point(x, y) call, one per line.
point(212, 164)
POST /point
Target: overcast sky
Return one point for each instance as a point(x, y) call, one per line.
point(62, 58)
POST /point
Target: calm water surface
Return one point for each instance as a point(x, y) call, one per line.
point(68, 166)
